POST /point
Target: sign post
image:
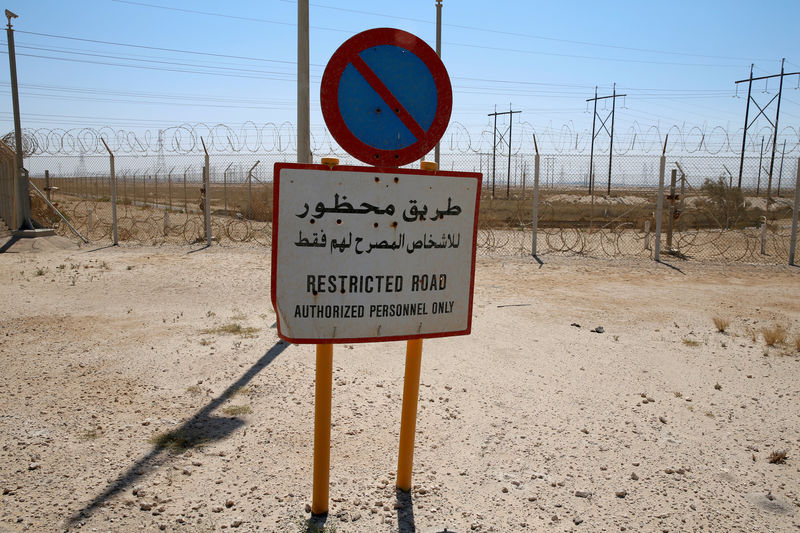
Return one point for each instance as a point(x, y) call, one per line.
point(379, 253)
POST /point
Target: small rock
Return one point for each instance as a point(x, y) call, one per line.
point(577, 520)
point(575, 325)
point(217, 509)
point(621, 493)
point(504, 490)
point(308, 507)
point(663, 419)
point(634, 477)
point(229, 504)
point(34, 466)
point(583, 494)
point(145, 506)
point(237, 523)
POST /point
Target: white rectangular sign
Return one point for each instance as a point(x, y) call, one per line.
point(367, 254)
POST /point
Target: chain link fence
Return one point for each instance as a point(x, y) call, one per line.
point(611, 211)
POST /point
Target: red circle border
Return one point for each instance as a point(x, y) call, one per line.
point(329, 97)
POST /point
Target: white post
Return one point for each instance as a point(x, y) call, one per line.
point(207, 198)
point(303, 84)
point(534, 250)
point(659, 207)
point(113, 194)
point(793, 241)
point(647, 235)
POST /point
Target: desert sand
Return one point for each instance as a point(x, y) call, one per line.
point(111, 356)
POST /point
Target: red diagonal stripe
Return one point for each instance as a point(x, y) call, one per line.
point(387, 96)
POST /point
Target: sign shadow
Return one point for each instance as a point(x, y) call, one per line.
point(202, 428)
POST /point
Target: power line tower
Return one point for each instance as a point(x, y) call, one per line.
point(510, 114)
point(595, 133)
point(763, 111)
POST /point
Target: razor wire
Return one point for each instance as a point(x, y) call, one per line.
point(281, 138)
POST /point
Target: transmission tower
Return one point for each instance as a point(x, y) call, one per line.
point(510, 114)
point(595, 133)
point(763, 111)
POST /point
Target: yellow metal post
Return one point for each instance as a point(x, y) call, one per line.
point(322, 428)
point(408, 417)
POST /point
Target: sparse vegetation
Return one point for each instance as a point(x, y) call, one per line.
point(721, 323)
point(40, 272)
point(233, 328)
point(194, 390)
point(797, 342)
point(236, 410)
point(777, 457)
point(240, 391)
point(678, 394)
point(176, 441)
point(691, 342)
point(774, 335)
point(204, 342)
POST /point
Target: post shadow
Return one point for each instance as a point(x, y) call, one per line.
point(202, 427)
point(405, 512)
point(673, 267)
point(99, 248)
point(199, 249)
point(536, 258)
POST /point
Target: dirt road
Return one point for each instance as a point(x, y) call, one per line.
point(146, 389)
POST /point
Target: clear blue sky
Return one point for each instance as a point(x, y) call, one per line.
point(232, 62)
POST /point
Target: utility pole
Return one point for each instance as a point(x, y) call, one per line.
point(303, 85)
point(763, 111)
point(22, 203)
point(510, 114)
point(596, 132)
point(438, 53)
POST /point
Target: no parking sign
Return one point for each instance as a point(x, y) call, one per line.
point(386, 97)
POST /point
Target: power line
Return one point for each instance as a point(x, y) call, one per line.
point(161, 49)
point(594, 58)
point(471, 28)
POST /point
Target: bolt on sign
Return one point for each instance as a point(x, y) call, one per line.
point(372, 254)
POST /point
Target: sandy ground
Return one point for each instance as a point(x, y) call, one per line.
point(660, 423)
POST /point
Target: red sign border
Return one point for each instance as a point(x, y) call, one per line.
point(374, 170)
point(329, 97)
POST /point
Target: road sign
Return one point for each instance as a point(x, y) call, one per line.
point(372, 254)
point(386, 97)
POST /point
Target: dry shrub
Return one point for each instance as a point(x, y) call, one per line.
point(774, 335)
point(778, 457)
point(721, 323)
point(797, 342)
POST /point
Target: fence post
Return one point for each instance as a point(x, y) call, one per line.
point(763, 235)
point(660, 204)
point(671, 217)
point(185, 202)
point(534, 250)
point(225, 187)
point(115, 235)
point(169, 186)
point(250, 191)
point(793, 241)
point(647, 235)
point(207, 198)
